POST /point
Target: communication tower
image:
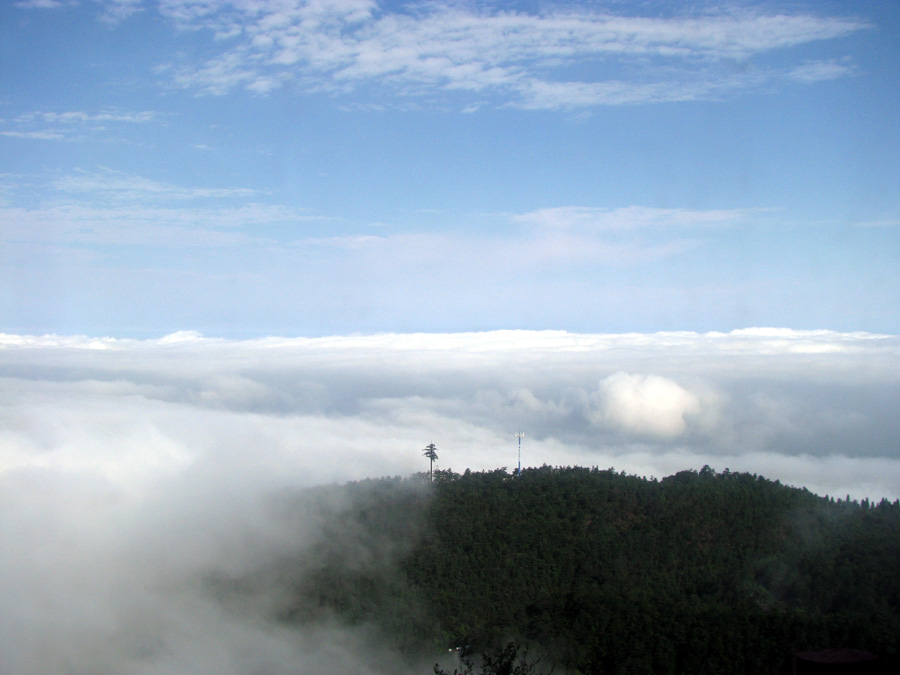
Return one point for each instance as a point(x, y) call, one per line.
point(520, 436)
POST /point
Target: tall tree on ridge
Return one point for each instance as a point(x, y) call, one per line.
point(430, 452)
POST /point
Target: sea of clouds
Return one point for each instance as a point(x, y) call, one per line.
point(130, 471)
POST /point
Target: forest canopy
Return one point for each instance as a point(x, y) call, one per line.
point(603, 572)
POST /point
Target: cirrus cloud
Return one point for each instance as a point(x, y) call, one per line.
point(519, 58)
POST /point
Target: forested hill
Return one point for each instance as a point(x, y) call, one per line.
point(701, 572)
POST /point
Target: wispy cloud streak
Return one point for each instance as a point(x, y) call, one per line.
point(112, 207)
point(631, 217)
point(520, 59)
point(107, 206)
point(73, 125)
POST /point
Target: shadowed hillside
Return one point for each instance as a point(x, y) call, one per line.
point(601, 572)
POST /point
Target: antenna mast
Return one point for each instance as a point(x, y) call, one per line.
point(520, 436)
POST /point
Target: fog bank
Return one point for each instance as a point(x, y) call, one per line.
point(130, 471)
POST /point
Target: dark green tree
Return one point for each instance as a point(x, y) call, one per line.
point(430, 452)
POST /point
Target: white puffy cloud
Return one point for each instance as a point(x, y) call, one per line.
point(645, 405)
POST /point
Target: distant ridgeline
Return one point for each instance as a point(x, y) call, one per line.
point(601, 572)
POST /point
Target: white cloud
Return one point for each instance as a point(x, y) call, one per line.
point(518, 57)
point(544, 95)
point(73, 125)
point(107, 184)
point(645, 405)
point(821, 71)
point(139, 225)
point(631, 217)
point(105, 206)
point(42, 4)
point(115, 11)
point(889, 222)
point(37, 135)
point(111, 207)
point(81, 117)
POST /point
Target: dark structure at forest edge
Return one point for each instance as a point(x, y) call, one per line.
point(602, 572)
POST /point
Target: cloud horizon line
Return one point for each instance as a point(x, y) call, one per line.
point(499, 337)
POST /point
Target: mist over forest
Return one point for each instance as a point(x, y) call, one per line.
point(150, 511)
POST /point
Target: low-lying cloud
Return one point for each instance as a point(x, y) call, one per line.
point(127, 410)
point(183, 396)
point(132, 471)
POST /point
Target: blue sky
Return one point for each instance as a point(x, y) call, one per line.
point(256, 168)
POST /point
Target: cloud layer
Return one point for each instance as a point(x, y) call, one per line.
point(125, 411)
point(132, 472)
